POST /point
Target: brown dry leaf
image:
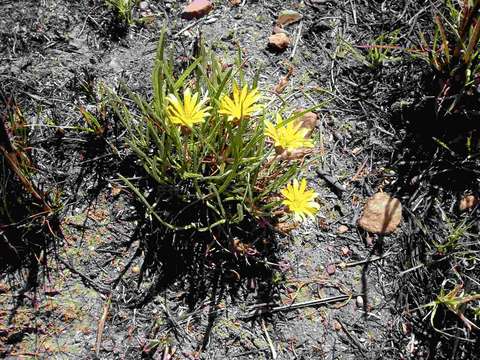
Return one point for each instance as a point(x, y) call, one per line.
point(308, 121)
point(70, 313)
point(345, 251)
point(323, 224)
point(296, 154)
point(238, 246)
point(282, 84)
point(287, 17)
point(278, 42)
point(336, 325)
point(241, 248)
point(286, 227)
point(98, 214)
point(234, 2)
point(278, 29)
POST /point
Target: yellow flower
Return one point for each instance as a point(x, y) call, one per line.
point(288, 137)
point(242, 105)
point(299, 201)
point(188, 112)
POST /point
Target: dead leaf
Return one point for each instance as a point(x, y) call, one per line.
point(282, 84)
point(308, 121)
point(296, 154)
point(287, 17)
point(286, 227)
point(278, 42)
point(346, 251)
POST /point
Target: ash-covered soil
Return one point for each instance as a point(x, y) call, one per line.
point(54, 57)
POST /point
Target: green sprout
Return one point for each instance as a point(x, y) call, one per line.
point(123, 9)
point(96, 122)
point(379, 52)
point(455, 301)
point(456, 233)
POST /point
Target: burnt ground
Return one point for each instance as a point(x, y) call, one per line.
point(55, 55)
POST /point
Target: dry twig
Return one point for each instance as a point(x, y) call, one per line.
point(101, 324)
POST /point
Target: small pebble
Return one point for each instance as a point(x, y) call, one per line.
point(357, 151)
point(331, 269)
point(381, 215)
point(346, 251)
point(468, 202)
point(336, 325)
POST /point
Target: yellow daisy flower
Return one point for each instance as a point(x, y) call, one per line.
point(288, 137)
point(188, 112)
point(299, 201)
point(242, 105)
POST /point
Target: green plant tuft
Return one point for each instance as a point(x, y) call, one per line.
point(454, 53)
point(206, 154)
point(377, 53)
point(123, 10)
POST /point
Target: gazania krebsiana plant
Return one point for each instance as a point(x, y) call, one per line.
point(224, 169)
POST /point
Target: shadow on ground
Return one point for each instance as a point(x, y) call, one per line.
point(436, 164)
